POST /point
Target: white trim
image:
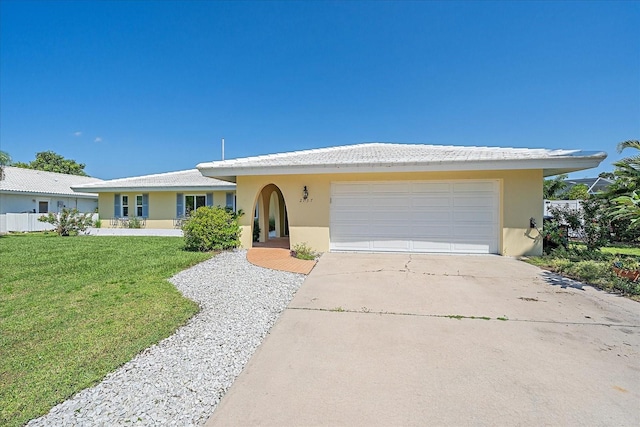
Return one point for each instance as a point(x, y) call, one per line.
point(139, 205)
point(122, 206)
point(47, 200)
point(549, 166)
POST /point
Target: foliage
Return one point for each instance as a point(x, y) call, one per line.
point(97, 223)
point(552, 188)
point(256, 230)
point(627, 208)
point(272, 223)
point(211, 229)
point(577, 192)
point(591, 223)
point(52, 162)
point(134, 222)
point(5, 160)
point(68, 222)
point(303, 251)
point(592, 267)
point(596, 226)
point(73, 310)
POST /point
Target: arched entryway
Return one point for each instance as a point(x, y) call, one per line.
point(270, 214)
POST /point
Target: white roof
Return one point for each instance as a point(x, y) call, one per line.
point(30, 181)
point(187, 180)
point(392, 157)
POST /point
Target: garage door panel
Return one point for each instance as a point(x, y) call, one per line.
point(419, 201)
point(430, 217)
point(391, 245)
point(473, 202)
point(473, 186)
point(455, 216)
point(474, 217)
point(429, 187)
point(470, 231)
point(431, 245)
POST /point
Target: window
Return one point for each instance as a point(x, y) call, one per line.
point(139, 205)
point(231, 201)
point(43, 206)
point(193, 202)
point(125, 206)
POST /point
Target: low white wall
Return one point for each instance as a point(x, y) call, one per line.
point(25, 222)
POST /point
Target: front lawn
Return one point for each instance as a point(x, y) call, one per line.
point(594, 267)
point(73, 309)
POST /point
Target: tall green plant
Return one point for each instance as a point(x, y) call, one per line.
point(212, 228)
point(552, 188)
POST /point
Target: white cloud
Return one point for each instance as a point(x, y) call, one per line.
point(98, 139)
point(77, 133)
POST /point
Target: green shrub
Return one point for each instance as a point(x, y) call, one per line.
point(211, 229)
point(68, 222)
point(134, 222)
point(272, 223)
point(97, 223)
point(303, 251)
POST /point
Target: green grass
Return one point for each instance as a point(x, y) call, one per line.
point(594, 267)
point(621, 250)
point(72, 309)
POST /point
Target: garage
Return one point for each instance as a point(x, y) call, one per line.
point(415, 216)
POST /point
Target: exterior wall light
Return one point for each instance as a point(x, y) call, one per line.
point(305, 193)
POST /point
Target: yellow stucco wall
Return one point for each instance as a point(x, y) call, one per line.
point(162, 206)
point(520, 199)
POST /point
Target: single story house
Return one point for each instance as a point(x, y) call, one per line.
point(35, 191)
point(594, 185)
point(162, 200)
point(26, 194)
point(400, 197)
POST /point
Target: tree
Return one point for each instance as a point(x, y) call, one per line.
point(69, 221)
point(552, 188)
point(577, 192)
point(607, 175)
point(5, 160)
point(52, 162)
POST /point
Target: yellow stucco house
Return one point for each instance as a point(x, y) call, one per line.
point(160, 201)
point(397, 197)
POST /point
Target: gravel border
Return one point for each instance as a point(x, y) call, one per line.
point(180, 380)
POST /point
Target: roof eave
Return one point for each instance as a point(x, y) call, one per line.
point(87, 195)
point(156, 188)
point(549, 166)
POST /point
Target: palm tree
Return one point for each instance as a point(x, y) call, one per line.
point(553, 188)
point(629, 167)
point(5, 160)
point(625, 200)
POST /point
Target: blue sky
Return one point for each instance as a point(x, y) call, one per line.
point(139, 87)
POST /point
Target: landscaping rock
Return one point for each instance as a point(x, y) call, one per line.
point(180, 380)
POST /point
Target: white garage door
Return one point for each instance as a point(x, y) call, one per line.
point(416, 216)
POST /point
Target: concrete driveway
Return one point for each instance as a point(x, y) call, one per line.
point(384, 339)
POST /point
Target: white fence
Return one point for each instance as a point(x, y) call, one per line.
point(23, 222)
point(568, 204)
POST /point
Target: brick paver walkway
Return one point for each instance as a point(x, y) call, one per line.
point(279, 259)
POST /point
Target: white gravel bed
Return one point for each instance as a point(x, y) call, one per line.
point(180, 380)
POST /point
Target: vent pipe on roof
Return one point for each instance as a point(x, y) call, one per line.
point(222, 148)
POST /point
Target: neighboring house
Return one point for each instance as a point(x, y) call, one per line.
point(162, 200)
point(35, 191)
point(594, 185)
point(400, 197)
point(26, 194)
